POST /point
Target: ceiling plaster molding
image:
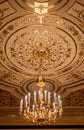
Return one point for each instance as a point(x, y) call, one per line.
point(64, 91)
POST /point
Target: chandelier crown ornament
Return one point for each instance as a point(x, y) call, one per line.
point(41, 109)
point(40, 81)
point(41, 8)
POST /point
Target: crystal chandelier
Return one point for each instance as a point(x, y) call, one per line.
point(41, 109)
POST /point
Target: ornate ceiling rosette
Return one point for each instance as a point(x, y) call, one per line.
point(40, 48)
point(56, 45)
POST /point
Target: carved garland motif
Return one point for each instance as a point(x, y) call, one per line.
point(2, 11)
point(7, 75)
point(80, 15)
point(74, 99)
point(75, 76)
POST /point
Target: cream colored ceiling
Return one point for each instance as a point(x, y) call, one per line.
point(57, 43)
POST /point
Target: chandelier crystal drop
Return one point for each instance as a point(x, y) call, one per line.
point(41, 109)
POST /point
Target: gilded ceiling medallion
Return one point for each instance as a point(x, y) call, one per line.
point(56, 45)
point(40, 46)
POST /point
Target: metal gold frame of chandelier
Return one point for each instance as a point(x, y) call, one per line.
point(41, 110)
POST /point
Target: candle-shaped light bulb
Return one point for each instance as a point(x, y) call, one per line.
point(60, 102)
point(39, 92)
point(25, 97)
point(49, 97)
point(26, 100)
point(33, 106)
point(58, 98)
point(21, 104)
point(35, 96)
point(28, 109)
point(29, 97)
point(55, 98)
point(45, 94)
point(49, 114)
point(53, 105)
